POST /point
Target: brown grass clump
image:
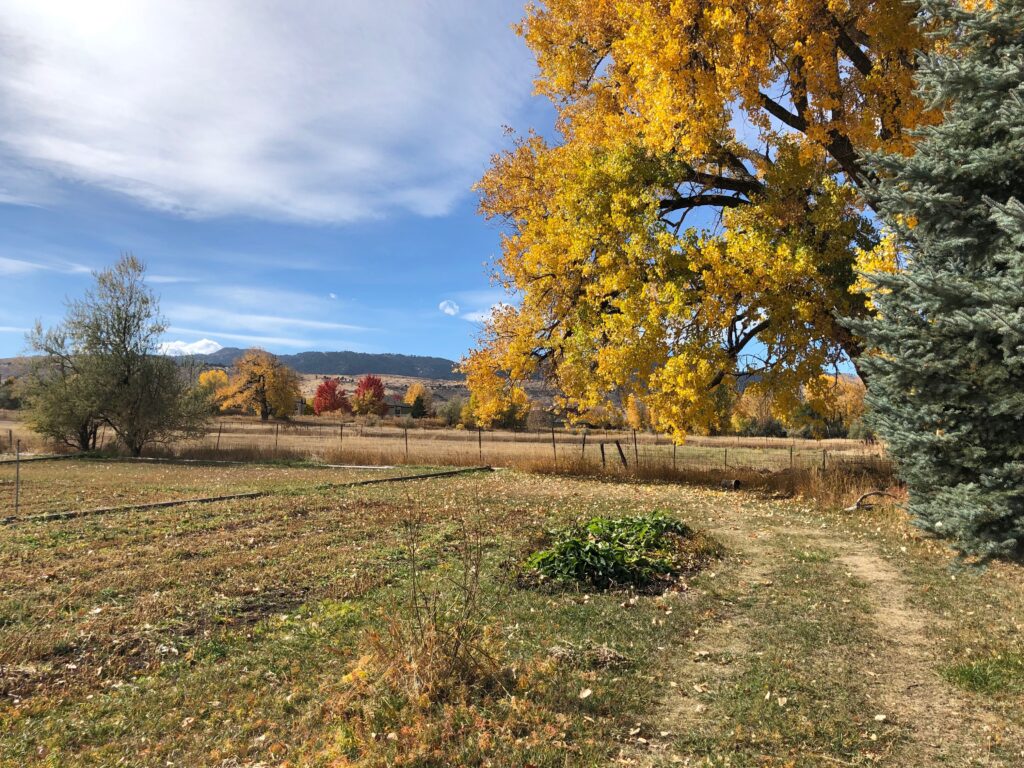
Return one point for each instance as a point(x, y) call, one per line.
point(420, 678)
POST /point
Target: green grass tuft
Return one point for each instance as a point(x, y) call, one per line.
point(997, 674)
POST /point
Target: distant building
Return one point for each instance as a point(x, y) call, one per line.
point(396, 407)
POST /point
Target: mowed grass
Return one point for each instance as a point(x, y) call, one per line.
point(236, 633)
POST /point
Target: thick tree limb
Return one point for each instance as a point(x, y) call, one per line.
point(859, 504)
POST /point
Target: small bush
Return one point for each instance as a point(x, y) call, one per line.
point(630, 551)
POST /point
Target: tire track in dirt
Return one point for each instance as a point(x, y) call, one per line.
point(720, 644)
point(943, 727)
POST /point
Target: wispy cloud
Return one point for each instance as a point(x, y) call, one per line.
point(170, 279)
point(396, 110)
point(254, 339)
point(12, 329)
point(480, 304)
point(221, 318)
point(449, 307)
point(482, 315)
point(10, 267)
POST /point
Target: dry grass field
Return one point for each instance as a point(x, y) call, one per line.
point(274, 631)
point(394, 443)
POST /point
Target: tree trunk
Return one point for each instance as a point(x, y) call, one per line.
point(86, 438)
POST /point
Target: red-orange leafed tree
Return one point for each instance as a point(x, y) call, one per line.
point(369, 396)
point(331, 397)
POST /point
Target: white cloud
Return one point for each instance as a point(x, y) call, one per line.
point(12, 267)
point(313, 110)
point(177, 348)
point(332, 296)
point(12, 329)
point(449, 307)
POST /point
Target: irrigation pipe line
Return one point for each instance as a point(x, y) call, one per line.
point(25, 459)
point(232, 462)
point(202, 462)
point(228, 497)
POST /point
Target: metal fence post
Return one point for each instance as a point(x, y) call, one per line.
point(17, 476)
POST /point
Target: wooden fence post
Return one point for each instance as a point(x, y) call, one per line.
point(277, 429)
point(480, 443)
point(554, 450)
point(583, 448)
point(407, 444)
point(636, 451)
point(622, 454)
point(220, 428)
point(341, 436)
point(602, 456)
point(674, 456)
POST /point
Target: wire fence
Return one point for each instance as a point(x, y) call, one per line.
point(590, 451)
point(623, 448)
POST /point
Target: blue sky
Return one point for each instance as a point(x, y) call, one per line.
point(295, 175)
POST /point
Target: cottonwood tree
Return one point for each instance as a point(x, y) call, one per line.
point(101, 366)
point(213, 379)
point(261, 384)
point(947, 365)
point(418, 390)
point(698, 216)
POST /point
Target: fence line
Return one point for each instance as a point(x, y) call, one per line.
point(592, 451)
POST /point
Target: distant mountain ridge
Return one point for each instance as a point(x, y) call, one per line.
point(349, 363)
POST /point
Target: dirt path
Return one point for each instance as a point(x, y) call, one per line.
point(939, 725)
point(943, 726)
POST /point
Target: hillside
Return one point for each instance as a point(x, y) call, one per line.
point(334, 363)
point(351, 363)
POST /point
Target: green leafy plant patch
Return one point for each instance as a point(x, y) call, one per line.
point(643, 551)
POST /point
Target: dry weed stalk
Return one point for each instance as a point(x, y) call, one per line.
point(440, 648)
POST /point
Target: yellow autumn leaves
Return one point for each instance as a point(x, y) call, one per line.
point(698, 216)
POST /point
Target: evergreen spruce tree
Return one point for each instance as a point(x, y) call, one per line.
point(947, 372)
